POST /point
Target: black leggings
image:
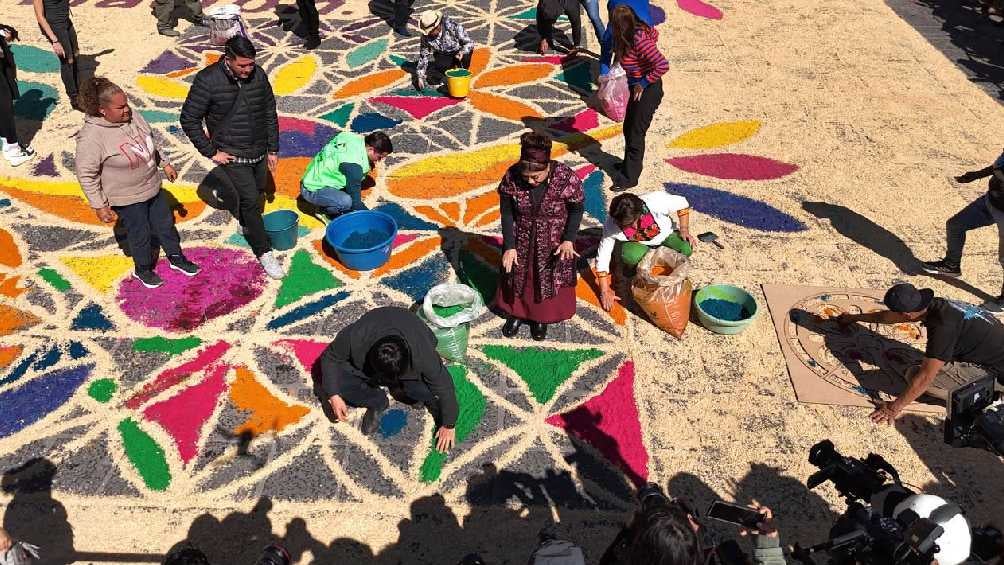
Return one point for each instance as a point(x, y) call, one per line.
point(67, 36)
point(7, 130)
point(309, 16)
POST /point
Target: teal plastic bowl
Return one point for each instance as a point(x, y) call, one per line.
point(732, 294)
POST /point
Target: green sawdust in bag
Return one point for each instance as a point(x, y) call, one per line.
point(447, 311)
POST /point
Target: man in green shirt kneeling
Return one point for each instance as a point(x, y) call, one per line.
point(333, 179)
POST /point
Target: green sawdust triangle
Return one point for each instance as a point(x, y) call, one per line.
point(472, 409)
point(304, 278)
point(340, 115)
point(543, 370)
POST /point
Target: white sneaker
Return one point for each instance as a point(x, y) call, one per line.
point(272, 266)
point(16, 154)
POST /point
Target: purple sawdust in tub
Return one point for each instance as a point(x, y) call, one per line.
point(229, 280)
point(365, 239)
point(725, 310)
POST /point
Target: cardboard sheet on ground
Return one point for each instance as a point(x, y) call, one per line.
point(853, 367)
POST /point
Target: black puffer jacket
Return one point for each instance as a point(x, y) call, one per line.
point(254, 128)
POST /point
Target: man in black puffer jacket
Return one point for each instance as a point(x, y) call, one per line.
point(235, 100)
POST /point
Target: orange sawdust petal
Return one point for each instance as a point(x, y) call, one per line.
point(488, 219)
point(434, 214)
point(182, 72)
point(480, 204)
point(288, 174)
point(9, 287)
point(9, 354)
point(419, 249)
point(76, 208)
point(501, 106)
point(451, 175)
point(13, 320)
point(210, 57)
point(587, 289)
point(9, 254)
point(451, 209)
point(514, 75)
point(479, 60)
point(268, 413)
point(368, 83)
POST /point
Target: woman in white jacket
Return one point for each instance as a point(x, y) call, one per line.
point(650, 220)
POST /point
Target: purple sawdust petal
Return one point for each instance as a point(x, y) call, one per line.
point(229, 280)
point(166, 62)
point(46, 167)
point(37, 398)
point(736, 209)
point(733, 166)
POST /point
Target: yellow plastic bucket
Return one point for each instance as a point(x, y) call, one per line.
point(458, 82)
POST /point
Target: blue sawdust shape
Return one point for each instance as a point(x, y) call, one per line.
point(371, 121)
point(417, 281)
point(595, 205)
point(92, 318)
point(736, 209)
point(392, 422)
point(306, 311)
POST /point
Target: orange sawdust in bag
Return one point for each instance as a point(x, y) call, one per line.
point(662, 290)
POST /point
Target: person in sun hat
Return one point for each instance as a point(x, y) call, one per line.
point(445, 44)
point(965, 343)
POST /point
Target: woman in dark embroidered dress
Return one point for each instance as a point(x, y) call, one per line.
point(541, 204)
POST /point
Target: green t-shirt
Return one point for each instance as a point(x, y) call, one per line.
point(327, 168)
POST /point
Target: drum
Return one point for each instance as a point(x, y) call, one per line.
point(224, 22)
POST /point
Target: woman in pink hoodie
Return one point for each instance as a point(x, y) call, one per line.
point(116, 163)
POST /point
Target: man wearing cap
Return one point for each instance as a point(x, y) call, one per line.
point(446, 43)
point(964, 343)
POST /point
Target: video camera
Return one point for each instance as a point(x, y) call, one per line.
point(976, 417)
point(885, 523)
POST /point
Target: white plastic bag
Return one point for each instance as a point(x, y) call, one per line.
point(613, 93)
point(450, 294)
point(21, 553)
point(452, 331)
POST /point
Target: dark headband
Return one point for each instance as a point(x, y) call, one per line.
point(535, 154)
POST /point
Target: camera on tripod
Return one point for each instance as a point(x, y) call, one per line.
point(886, 523)
point(976, 417)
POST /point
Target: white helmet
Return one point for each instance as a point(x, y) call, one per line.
point(955, 542)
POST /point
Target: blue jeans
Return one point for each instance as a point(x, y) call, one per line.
point(593, 11)
point(330, 201)
point(978, 214)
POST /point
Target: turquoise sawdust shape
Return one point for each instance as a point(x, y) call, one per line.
point(366, 53)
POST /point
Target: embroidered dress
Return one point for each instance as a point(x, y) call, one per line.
point(541, 286)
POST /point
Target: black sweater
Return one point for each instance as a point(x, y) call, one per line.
point(344, 358)
point(254, 128)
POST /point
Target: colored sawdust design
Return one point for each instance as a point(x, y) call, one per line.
point(166, 345)
point(146, 456)
point(700, 8)
point(737, 209)
point(184, 415)
point(609, 423)
point(472, 410)
point(542, 370)
point(36, 399)
point(229, 280)
point(267, 412)
point(733, 166)
point(304, 278)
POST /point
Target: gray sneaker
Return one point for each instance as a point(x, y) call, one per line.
point(168, 32)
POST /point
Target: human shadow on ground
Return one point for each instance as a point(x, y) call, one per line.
point(289, 19)
point(578, 142)
point(31, 109)
point(855, 349)
point(87, 64)
point(384, 9)
point(973, 41)
point(879, 240)
point(33, 515)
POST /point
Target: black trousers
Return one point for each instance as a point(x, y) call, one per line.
point(311, 19)
point(68, 71)
point(360, 394)
point(442, 62)
point(144, 220)
point(248, 182)
point(636, 123)
point(7, 130)
point(545, 26)
point(402, 9)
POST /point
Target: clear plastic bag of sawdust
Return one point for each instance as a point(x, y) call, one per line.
point(661, 288)
point(448, 309)
point(21, 553)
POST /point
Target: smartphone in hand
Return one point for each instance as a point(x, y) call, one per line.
point(735, 514)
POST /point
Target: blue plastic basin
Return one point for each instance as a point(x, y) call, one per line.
point(343, 226)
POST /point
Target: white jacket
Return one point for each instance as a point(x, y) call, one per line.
point(663, 207)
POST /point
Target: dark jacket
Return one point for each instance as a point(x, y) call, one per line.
point(254, 128)
point(8, 69)
point(344, 358)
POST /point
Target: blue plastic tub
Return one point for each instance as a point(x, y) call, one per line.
point(282, 228)
point(732, 294)
point(342, 229)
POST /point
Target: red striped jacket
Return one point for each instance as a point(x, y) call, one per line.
point(643, 62)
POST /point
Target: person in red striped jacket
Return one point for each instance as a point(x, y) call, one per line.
point(633, 43)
